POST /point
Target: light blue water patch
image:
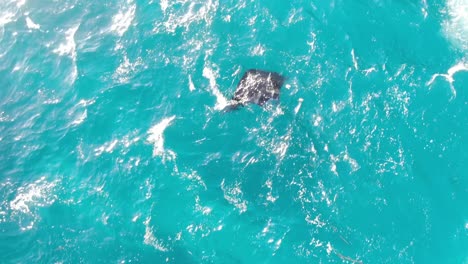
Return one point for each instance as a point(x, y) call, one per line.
point(114, 149)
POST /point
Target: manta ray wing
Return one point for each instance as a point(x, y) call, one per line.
point(257, 86)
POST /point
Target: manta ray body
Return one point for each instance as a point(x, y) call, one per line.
point(257, 87)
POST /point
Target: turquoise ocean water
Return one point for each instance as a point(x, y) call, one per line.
point(113, 148)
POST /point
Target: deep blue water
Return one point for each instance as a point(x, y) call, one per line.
point(113, 148)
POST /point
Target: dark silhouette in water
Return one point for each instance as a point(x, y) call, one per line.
point(256, 87)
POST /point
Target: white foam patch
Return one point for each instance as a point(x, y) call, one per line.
point(456, 27)
point(156, 135)
point(31, 25)
point(29, 197)
point(68, 48)
point(299, 104)
point(205, 210)
point(20, 3)
point(338, 106)
point(234, 196)
point(52, 101)
point(317, 119)
point(281, 148)
point(269, 197)
point(311, 43)
point(424, 8)
point(295, 15)
point(221, 101)
point(352, 162)
point(126, 68)
point(191, 85)
point(150, 239)
point(110, 146)
point(258, 50)
point(85, 103)
point(316, 221)
point(329, 248)
point(274, 234)
point(281, 145)
point(399, 101)
point(196, 179)
point(79, 112)
point(164, 4)
point(80, 118)
point(185, 13)
point(370, 70)
point(461, 66)
point(123, 19)
point(50, 98)
point(354, 60)
point(6, 18)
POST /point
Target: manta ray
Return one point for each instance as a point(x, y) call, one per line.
point(256, 87)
